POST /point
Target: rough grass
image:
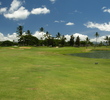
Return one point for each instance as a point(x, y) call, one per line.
point(43, 73)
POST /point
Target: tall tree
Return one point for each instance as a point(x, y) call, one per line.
point(96, 35)
point(20, 30)
point(71, 42)
point(87, 41)
point(77, 41)
point(42, 32)
point(28, 37)
point(20, 33)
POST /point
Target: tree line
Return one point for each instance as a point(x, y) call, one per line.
point(48, 40)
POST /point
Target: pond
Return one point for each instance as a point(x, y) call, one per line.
point(94, 54)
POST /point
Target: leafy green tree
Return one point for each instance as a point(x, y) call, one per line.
point(87, 41)
point(62, 42)
point(7, 43)
point(71, 42)
point(83, 43)
point(29, 40)
point(49, 40)
point(77, 41)
point(20, 33)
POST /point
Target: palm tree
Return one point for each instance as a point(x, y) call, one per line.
point(58, 35)
point(48, 38)
point(96, 35)
point(20, 33)
point(41, 29)
point(19, 30)
point(47, 35)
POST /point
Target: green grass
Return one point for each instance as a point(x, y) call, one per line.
point(42, 73)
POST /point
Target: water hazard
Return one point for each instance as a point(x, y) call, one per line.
point(94, 54)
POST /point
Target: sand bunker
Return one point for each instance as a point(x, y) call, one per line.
point(25, 47)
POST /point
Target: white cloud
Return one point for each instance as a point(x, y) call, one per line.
point(67, 37)
point(15, 37)
point(12, 37)
point(39, 35)
point(56, 21)
point(21, 13)
point(53, 1)
point(70, 23)
point(102, 38)
point(82, 37)
point(15, 5)
point(2, 10)
point(16, 11)
point(105, 9)
point(61, 21)
point(102, 27)
point(9, 37)
point(38, 11)
point(2, 38)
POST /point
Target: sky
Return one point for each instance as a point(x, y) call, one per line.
point(69, 17)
